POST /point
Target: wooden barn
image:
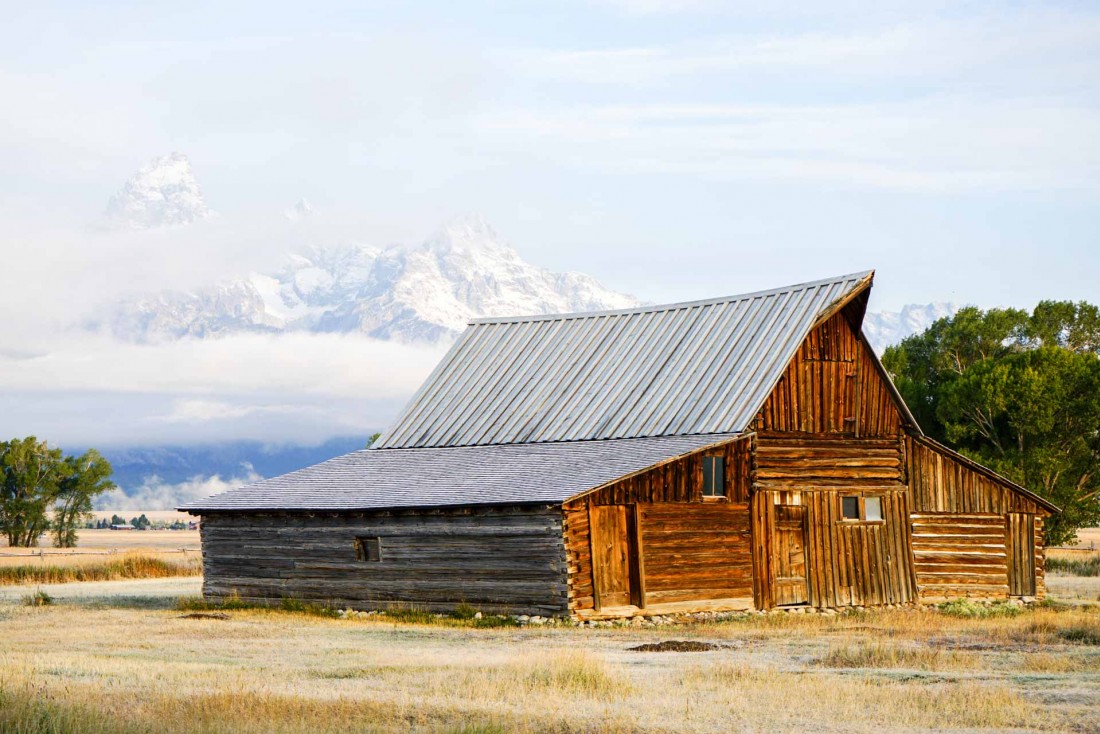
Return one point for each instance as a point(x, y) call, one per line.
point(746, 452)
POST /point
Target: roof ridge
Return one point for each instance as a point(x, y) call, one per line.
point(658, 307)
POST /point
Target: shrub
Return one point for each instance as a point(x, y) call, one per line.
point(463, 611)
point(966, 609)
point(38, 599)
point(1081, 634)
point(1075, 566)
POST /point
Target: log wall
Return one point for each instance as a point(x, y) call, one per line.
point(960, 555)
point(499, 560)
point(696, 551)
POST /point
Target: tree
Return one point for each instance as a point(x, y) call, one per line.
point(1019, 393)
point(140, 523)
point(31, 475)
point(371, 439)
point(36, 480)
point(87, 476)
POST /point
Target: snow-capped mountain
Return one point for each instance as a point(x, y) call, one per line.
point(886, 328)
point(163, 192)
point(424, 293)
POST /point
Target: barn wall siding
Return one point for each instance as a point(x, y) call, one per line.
point(941, 483)
point(960, 555)
point(831, 386)
point(497, 560)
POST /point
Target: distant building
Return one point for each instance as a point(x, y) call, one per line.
point(734, 453)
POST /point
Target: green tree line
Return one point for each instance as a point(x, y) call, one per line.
point(1018, 392)
point(42, 490)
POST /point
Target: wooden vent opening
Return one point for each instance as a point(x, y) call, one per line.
point(368, 549)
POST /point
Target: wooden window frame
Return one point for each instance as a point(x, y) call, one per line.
point(368, 549)
point(862, 500)
point(720, 495)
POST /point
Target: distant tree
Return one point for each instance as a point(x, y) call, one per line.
point(36, 480)
point(372, 438)
point(1019, 393)
point(30, 473)
point(118, 520)
point(86, 476)
point(140, 523)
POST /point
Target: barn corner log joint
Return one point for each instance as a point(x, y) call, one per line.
point(746, 452)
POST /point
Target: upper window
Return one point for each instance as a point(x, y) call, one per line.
point(714, 476)
point(368, 549)
point(856, 508)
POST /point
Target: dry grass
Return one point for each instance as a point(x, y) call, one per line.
point(127, 566)
point(874, 654)
point(93, 669)
point(91, 543)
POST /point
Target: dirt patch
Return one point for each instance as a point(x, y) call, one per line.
point(677, 646)
point(204, 615)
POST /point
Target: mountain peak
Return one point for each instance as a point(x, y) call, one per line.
point(163, 192)
point(469, 232)
point(300, 210)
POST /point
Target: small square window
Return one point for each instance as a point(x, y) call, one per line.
point(872, 509)
point(849, 508)
point(714, 476)
point(368, 549)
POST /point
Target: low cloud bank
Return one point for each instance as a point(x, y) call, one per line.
point(155, 494)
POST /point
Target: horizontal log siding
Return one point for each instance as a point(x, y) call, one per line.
point(498, 560)
point(960, 555)
point(578, 555)
point(822, 461)
point(696, 552)
point(831, 386)
point(940, 483)
point(1040, 560)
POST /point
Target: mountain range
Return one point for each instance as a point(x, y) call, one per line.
point(420, 293)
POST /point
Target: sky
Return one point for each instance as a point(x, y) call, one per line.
point(672, 150)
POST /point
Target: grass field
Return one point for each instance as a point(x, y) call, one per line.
point(104, 668)
point(126, 656)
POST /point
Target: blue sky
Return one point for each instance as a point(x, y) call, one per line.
point(672, 150)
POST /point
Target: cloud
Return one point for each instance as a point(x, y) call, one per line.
point(938, 145)
point(92, 389)
point(155, 494)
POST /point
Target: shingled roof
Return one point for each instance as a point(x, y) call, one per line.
point(458, 476)
point(681, 369)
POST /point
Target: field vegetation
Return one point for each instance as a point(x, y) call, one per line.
point(122, 668)
point(100, 568)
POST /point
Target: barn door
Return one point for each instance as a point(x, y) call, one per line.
point(790, 555)
point(613, 545)
point(1020, 542)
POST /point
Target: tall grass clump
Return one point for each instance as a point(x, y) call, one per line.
point(574, 673)
point(884, 655)
point(1089, 566)
point(127, 567)
point(966, 609)
point(38, 599)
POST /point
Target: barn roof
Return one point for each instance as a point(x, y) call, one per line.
point(456, 476)
point(702, 367)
